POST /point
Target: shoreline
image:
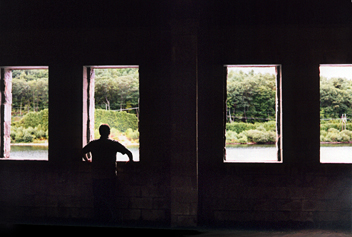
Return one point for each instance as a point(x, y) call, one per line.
point(271, 143)
point(47, 144)
point(137, 144)
point(29, 144)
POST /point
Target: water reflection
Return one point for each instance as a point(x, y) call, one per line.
point(38, 152)
point(251, 153)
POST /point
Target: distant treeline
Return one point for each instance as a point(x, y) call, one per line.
point(253, 95)
point(335, 97)
point(115, 89)
point(30, 91)
point(33, 127)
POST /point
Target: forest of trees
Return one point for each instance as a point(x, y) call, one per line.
point(115, 89)
point(29, 90)
point(251, 96)
point(335, 98)
point(251, 102)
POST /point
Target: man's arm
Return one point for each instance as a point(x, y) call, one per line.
point(85, 158)
point(129, 154)
point(84, 152)
point(123, 150)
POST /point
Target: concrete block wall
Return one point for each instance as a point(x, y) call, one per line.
point(299, 191)
point(181, 179)
point(36, 192)
point(318, 199)
point(142, 196)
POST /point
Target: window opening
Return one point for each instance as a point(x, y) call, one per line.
point(24, 113)
point(113, 93)
point(253, 114)
point(335, 113)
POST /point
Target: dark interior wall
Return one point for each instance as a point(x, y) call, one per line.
point(60, 189)
point(181, 49)
point(300, 190)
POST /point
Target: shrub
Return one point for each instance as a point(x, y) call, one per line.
point(34, 119)
point(21, 134)
point(323, 133)
point(231, 136)
point(114, 133)
point(270, 126)
point(130, 134)
point(334, 137)
point(344, 137)
point(40, 134)
point(239, 127)
point(27, 137)
point(347, 133)
point(120, 120)
point(260, 137)
point(322, 138)
point(96, 133)
point(256, 136)
point(242, 138)
point(272, 136)
point(261, 128)
point(333, 130)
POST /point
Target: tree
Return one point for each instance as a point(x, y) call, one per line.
point(251, 94)
point(335, 97)
point(20, 90)
point(116, 89)
point(30, 89)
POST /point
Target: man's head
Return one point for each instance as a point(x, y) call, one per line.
point(104, 130)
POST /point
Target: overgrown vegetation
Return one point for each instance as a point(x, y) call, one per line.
point(116, 119)
point(33, 127)
point(251, 96)
point(29, 90)
point(115, 89)
point(260, 133)
point(121, 124)
point(333, 131)
point(251, 101)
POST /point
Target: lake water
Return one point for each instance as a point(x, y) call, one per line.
point(251, 153)
point(329, 153)
point(38, 152)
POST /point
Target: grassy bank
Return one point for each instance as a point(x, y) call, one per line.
point(265, 133)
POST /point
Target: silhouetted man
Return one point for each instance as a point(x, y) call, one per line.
point(103, 160)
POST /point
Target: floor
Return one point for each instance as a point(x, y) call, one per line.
point(47, 230)
point(296, 233)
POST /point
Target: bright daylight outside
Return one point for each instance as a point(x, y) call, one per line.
point(29, 114)
point(117, 104)
point(335, 113)
point(251, 115)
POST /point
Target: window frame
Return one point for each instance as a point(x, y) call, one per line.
point(89, 100)
point(330, 65)
point(279, 114)
point(5, 111)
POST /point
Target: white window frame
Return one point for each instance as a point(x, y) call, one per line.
point(279, 113)
point(5, 110)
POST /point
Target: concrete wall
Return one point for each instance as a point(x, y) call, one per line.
point(181, 179)
point(300, 190)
